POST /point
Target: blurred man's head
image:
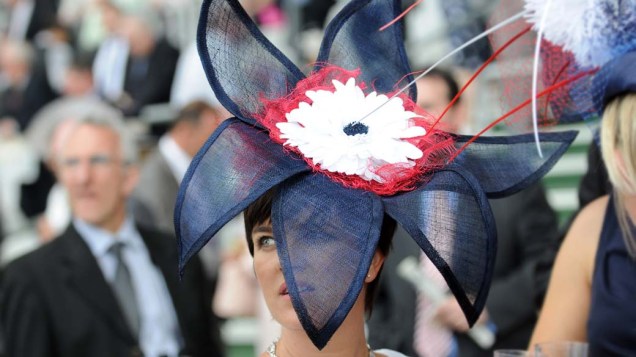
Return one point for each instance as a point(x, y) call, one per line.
point(57, 141)
point(195, 122)
point(434, 92)
point(78, 80)
point(16, 58)
point(110, 15)
point(10, 3)
point(140, 34)
point(97, 166)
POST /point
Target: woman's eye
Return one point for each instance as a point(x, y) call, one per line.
point(265, 242)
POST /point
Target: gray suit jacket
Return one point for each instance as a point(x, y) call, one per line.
point(156, 194)
point(526, 228)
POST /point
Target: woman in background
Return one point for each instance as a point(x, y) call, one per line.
point(593, 284)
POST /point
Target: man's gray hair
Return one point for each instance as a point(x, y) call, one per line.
point(95, 112)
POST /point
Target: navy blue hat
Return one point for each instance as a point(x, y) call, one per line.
point(597, 36)
point(620, 77)
point(330, 198)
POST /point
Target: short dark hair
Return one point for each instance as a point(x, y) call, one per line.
point(82, 62)
point(260, 211)
point(448, 78)
point(193, 111)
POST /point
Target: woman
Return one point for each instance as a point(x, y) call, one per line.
point(334, 153)
point(590, 297)
point(349, 339)
point(591, 292)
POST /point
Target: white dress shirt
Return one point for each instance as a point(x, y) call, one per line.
point(20, 20)
point(159, 333)
point(190, 82)
point(109, 67)
point(178, 160)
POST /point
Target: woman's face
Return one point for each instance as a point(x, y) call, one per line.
point(270, 276)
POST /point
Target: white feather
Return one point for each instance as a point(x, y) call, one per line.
point(593, 30)
point(563, 24)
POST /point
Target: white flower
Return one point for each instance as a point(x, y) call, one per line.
point(333, 134)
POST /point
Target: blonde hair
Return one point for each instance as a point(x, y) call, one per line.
point(618, 146)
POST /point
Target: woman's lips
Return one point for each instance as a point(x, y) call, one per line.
point(283, 289)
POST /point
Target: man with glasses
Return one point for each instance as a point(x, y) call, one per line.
point(105, 287)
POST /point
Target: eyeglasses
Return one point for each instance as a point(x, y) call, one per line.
point(94, 161)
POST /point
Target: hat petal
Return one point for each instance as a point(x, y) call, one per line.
point(240, 63)
point(236, 166)
point(326, 237)
point(353, 40)
point(451, 220)
point(504, 165)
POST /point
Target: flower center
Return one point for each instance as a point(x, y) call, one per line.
point(355, 128)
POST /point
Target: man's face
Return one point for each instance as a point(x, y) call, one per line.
point(199, 131)
point(77, 82)
point(432, 96)
point(92, 169)
point(12, 65)
point(207, 124)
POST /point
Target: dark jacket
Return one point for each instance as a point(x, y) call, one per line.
point(56, 302)
point(526, 228)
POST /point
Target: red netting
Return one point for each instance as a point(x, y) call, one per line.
point(557, 66)
point(515, 68)
point(437, 146)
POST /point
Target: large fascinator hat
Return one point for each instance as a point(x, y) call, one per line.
point(594, 36)
point(342, 146)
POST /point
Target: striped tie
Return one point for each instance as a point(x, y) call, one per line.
point(430, 338)
point(124, 289)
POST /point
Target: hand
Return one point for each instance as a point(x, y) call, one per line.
point(450, 315)
point(44, 229)
point(8, 128)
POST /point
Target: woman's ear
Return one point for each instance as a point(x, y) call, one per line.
point(374, 268)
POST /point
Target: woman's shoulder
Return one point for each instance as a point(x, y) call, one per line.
point(589, 221)
point(389, 353)
point(595, 207)
point(581, 242)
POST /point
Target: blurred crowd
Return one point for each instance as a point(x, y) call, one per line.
point(140, 57)
point(62, 61)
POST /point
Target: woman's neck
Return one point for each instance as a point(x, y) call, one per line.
point(348, 340)
point(629, 201)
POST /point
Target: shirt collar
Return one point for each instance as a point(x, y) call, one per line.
point(178, 160)
point(99, 240)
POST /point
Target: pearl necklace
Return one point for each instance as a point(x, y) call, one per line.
point(271, 350)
